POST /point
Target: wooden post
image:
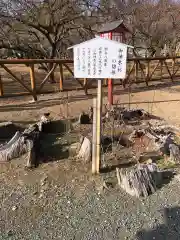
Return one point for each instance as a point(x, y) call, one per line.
point(110, 85)
point(85, 81)
point(129, 94)
point(33, 83)
point(161, 66)
point(94, 138)
point(147, 71)
point(136, 72)
point(61, 77)
point(105, 81)
point(110, 91)
point(173, 65)
point(1, 87)
point(98, 126)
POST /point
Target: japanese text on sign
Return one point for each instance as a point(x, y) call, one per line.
point(100, 60)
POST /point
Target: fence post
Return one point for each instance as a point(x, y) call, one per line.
point(105, 81)
point(161, 65)
point(33, 82)
point(1, 87)
point(147, 71)
point(85, 81)
point(136, 71)
point(173, 65)
point(61, 80)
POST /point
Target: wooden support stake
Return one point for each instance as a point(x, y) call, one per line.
point(154, 69)
point(94, 138)
point(68, 68)
point(171, 75)
point(177, 69)
point(98, 126)
point(47, 77)
point(1, 87)
point(61, 77)
point(33, 83)
point(16, 78)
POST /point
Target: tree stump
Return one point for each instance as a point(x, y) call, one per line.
point(25, 142)
point(13, 149)
point(139, 181)
point(85, 151)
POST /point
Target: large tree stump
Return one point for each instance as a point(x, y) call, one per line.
point(140, 181)
point(13, 149)
point(25, 142)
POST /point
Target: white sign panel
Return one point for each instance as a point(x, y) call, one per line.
point(100, 58)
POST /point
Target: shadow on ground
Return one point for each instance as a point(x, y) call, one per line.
point(55, 141)
point(170, 230)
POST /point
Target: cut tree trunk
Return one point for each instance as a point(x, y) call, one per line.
point(140, 181)
point(25, 142)
point(85, 150)
point(13, 149)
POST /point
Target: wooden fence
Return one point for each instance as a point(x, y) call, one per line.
point(29, 79)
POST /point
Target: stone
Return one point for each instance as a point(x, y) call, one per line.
point(35, 192)
point(14, 208)
point(10, 233)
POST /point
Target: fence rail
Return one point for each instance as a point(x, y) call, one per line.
point(29, 79)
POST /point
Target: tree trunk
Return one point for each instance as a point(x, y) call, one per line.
point(26, 142)
point(140, 181)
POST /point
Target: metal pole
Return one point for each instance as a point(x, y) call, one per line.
point(110, 91)
point(94, 137)
point(98, 126)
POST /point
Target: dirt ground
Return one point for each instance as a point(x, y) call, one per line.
point(60, 199)
point(165, 98)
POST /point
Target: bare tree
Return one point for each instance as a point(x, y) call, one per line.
point(43, 28)
point(152, 23)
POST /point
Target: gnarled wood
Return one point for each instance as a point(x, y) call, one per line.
point(13, 149)
point(25, 142)
point(140, 181)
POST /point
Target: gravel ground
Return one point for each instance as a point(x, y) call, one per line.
point(61, 199)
